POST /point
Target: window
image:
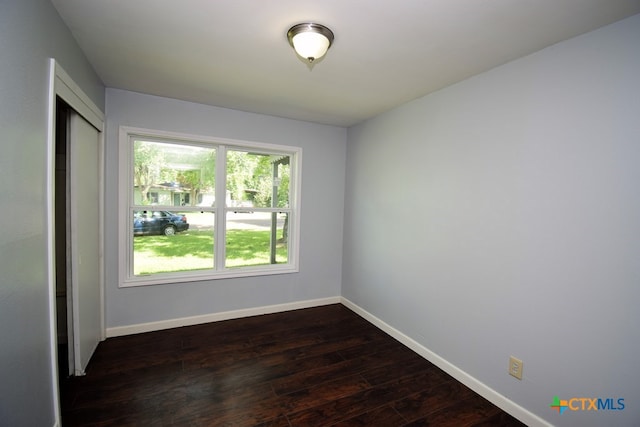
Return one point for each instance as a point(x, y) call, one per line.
point(195, 208)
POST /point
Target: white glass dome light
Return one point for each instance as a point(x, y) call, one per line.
point(310, 41)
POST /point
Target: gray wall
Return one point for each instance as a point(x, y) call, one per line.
point(30, 32)
point(501, 216)
point(323, 160)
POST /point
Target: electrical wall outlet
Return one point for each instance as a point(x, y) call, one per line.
point(515, 367)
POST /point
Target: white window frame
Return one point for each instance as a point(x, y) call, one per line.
point(125, 201)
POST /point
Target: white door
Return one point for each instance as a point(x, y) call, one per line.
point(83, 153)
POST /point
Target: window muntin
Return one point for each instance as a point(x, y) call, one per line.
point(240, 227)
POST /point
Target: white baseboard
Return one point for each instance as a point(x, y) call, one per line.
point(216, 317)
point(482, 389)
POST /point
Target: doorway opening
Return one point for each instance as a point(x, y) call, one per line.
point(61, 244)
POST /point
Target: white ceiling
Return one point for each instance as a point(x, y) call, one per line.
point(235, 54)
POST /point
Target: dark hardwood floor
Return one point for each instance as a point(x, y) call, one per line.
point(322, 366)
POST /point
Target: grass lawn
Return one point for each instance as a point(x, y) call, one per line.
point(193, 250)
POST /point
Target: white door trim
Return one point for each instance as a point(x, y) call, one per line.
point(62, 85)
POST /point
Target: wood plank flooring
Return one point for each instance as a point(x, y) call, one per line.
point(322, 366)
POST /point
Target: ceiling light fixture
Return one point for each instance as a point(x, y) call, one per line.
point(310, 40)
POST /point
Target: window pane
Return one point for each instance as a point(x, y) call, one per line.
point(257, 180)
point(173, 175)
point(166, 242)
point(257, 238)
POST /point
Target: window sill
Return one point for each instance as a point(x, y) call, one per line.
point(230, 273)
